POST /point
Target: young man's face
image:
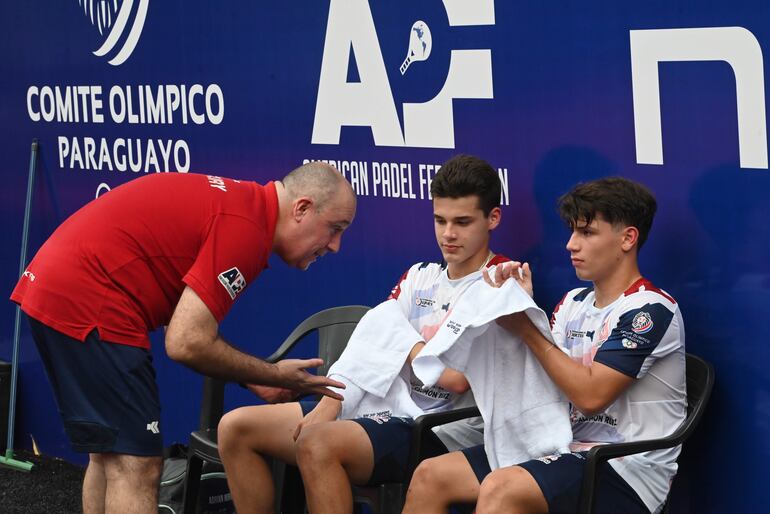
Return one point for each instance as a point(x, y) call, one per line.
point(596, 249)
point(462, 232)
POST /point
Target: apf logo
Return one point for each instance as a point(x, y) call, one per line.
point(113, 19)
point(369, 102)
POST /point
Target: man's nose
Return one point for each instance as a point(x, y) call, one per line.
point(335, 244)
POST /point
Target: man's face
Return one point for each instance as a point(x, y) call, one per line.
point(318, 232)
point(596, 249)
point(462, 231)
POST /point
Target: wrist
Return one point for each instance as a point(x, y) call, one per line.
point(415, 351)
point(329, 406)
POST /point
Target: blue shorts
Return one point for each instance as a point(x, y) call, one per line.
point(560, 478)
point(390, 438)
point(106, 392)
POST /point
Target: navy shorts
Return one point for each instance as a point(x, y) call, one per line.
point(390, 438)
point(560, 478)
point(106, 392)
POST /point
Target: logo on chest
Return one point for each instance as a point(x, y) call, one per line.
point(579, 334)
point(424, 302)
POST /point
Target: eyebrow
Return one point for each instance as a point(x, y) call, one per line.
point(458, 218)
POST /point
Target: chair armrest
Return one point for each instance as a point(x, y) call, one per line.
point(435, 419)
point(605, 452)
point(427, 421)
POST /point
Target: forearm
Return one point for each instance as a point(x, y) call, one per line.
point(450, 379)
point(453, 381)
point(327, 409)
point(572, 378)
point(221, 360)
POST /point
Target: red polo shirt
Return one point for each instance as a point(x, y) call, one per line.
point(121, 262)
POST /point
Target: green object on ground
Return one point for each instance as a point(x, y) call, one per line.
point(10, 462)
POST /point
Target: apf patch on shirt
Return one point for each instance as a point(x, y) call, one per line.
point(233, 281)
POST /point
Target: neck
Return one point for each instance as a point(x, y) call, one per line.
point(475, 263)
point(284, 206)
point(607, 290)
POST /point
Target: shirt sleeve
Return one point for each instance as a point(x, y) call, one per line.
point(233, 253)
point(557, 322)
point(402, 292)
point(641, 335)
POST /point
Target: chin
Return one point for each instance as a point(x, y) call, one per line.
point(582, 275)
point(452, 258)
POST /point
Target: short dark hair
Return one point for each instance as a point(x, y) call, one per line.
point(466, 175)
point(617, 200)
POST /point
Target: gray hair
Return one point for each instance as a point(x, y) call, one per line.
point(318, 180)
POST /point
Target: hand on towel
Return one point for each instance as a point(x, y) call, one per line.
point(516, 270)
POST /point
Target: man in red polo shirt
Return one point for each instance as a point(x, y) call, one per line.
point(165, 250)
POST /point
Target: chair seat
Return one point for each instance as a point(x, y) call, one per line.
point(204, 444)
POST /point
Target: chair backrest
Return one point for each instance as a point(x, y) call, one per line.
point(334, 327)
point(700, 382)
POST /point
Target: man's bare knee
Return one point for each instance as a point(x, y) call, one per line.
point(313, 449)
point(512, 489)
point(140, 471)
point(427, 479)
point(230, 431)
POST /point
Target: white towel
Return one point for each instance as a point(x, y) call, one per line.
point(371, 364)
point(525, 415)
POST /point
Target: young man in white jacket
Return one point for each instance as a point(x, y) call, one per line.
point(619, 358)
point(332, 453)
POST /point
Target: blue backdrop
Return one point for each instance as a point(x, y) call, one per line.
point(670, 93)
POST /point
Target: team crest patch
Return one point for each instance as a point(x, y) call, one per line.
point(233, 281)
point(642, 323)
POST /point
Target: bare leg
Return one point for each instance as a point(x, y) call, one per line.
point(131, 483)
point(439, 482)
point(331, 455)
point(511, 490)
point(94, 485)
point(245, 436)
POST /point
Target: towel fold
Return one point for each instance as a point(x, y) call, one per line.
point(525, 415)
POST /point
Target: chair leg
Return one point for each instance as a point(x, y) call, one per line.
point(391, 498)
point(293, 492)
point(192, 484)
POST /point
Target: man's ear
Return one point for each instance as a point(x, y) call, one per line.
point(493, 220)
point(630, 238)
point(300, 207)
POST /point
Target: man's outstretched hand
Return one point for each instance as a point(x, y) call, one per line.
point(272, 394)
point(293, 375)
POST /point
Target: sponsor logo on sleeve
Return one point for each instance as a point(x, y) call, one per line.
point(627, 343)
point(233, 281)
